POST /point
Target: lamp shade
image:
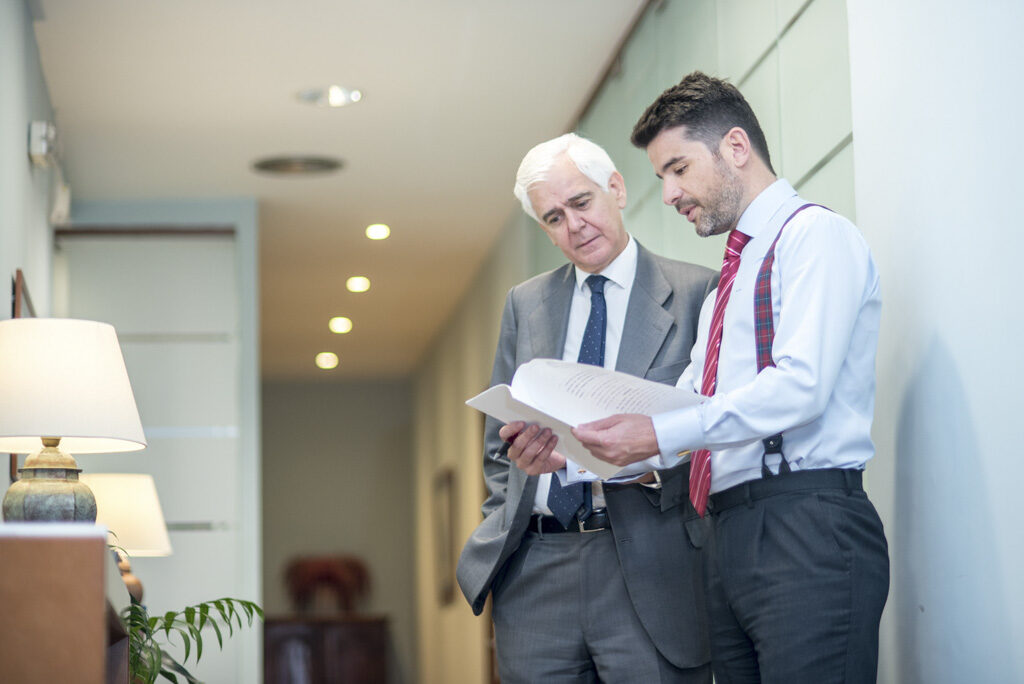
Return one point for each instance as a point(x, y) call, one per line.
point(130, 508)
point(65, 378)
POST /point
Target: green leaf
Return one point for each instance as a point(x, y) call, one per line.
point(154, 657)
point(188, 642)
point(204, 614)
point(190, 615)
point(197, 635)
point(219, 605)
point(220, 637)
point(167, 674)
point(168, 622)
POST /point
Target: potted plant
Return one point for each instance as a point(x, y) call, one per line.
point(147, 659)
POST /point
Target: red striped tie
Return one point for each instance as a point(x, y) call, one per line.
point(700, 466)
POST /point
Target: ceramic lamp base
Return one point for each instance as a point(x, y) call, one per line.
point(49, 490)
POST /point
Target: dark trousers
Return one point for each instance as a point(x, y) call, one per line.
point(796, 585)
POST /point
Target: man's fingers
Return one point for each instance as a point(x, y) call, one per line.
point(532, 448)
point(509, 432)
point(539, 447)
point(518, 442)
point(545, 460)
point(620, 440)
point(529, 445)
point(588, 436)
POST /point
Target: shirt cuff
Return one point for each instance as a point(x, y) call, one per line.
point(639, 468)
point(571, 474)
point(678, 432)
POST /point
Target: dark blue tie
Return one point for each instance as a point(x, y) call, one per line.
point(574, 500)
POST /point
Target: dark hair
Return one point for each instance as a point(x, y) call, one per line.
point(708, 107)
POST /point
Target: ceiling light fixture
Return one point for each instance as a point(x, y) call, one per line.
point(332, 96)
point(378, 231)
point(358, 284)
point(340, 325)
point(326, 360)
point(297, 165)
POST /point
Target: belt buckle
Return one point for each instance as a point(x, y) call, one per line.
point(584, 530)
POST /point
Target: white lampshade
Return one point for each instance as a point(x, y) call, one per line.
point(129, 507)
point(65, 378)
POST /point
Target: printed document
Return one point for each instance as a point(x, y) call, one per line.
point(562, 394)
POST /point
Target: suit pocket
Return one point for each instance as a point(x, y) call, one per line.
point(667, 374)
point(697, 529)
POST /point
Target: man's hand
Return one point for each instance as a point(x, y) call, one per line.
point(531, 448)
point(620, 440)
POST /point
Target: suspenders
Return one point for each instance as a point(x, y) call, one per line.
point(764, 336)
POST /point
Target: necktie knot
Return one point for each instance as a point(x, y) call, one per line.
point(734, 245)
point(596, 283)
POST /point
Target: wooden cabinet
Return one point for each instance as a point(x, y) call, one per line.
point(54, 606)
point(349, 650)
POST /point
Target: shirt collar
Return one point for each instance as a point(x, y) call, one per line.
point(621, 271)
point(760, 212)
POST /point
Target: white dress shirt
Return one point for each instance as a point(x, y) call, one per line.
point(621, 273)
point(820, 395)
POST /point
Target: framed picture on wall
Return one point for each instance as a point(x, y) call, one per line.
point(21, 307)
point(445, 552)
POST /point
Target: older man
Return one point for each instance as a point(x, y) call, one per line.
point(589, 582)
point(798, 568)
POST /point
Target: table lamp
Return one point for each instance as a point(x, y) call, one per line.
point(128, 505)
point(63, 389)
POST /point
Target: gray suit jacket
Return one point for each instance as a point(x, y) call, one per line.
point(657, 533)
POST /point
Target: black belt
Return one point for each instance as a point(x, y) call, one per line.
point(798, 480)
point(547, 524)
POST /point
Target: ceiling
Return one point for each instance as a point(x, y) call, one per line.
point(177, 99)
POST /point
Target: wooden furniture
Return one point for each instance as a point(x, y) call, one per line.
point(328, 650)
point(55, 611)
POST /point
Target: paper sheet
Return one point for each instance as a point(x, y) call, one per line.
point(562, 394)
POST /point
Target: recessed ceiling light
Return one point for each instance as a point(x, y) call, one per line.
point(297, 165)
point(378, 231)
point(331, 96)
point(358, 284)
point(340, 325)
point(326, 360)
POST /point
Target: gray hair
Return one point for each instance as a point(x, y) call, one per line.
point(589, 157)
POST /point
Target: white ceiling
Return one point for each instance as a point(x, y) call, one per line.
point(176, 99)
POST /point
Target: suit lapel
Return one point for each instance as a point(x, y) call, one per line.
point(548, 324)
point(550, 320)
point(647, 322)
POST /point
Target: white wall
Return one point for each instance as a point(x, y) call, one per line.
point(936, 92)
point(25, 191)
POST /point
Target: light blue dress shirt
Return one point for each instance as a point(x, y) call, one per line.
point(826, 305)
